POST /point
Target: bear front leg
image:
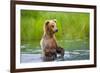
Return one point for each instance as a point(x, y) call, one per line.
point(49, 55)
point(60, 51)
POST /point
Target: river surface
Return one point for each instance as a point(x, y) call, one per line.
point(69, 56)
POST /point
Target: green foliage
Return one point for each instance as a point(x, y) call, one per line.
point(71, 25)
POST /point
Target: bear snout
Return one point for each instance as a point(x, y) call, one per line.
point(56, 30)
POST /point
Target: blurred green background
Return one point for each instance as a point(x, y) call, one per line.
point(73, 29)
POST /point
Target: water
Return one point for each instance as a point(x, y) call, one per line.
point(74, 50)
point(69, 56)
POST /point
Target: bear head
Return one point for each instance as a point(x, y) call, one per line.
point(50, 26)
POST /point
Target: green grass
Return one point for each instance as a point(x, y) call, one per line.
point(73, 29)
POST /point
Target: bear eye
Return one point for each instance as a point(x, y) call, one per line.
point(52, 26)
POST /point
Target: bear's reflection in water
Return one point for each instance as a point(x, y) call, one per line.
point(69, 56)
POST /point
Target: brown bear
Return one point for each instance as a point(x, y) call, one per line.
point(48, 43)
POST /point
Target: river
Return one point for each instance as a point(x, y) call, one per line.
point(69, 56)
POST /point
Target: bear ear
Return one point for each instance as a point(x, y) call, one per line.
point(46, 28)
point(46, 22)
point(54, 20)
